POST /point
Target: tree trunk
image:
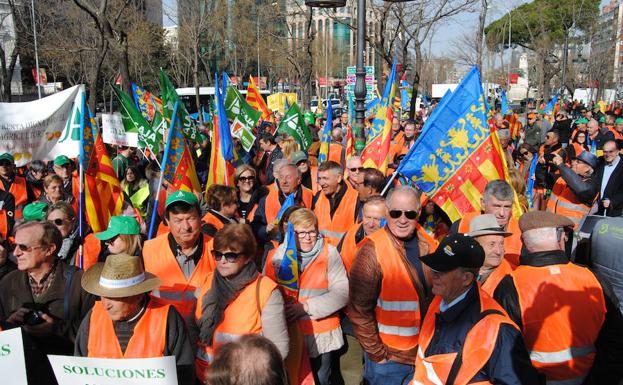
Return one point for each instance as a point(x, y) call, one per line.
point(416, 79)
point(124, 64)
point(481, 30)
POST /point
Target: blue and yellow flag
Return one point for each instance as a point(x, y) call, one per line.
point(456, 154)
point(325, 139)
point(222, 151)
point(288, 274)
point(376, 152)
point(287, 203)
point(549, 109)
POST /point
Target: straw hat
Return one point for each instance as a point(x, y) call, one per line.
point(122, 275)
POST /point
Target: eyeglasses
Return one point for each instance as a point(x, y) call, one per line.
point(410, 214)
point(356, 169)
point(230, 256)
point(26, 249)
point(246, 178)
point(303, 234)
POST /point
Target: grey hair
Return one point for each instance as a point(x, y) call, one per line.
point(374, 200)
point(406, 190)
point(500, 189)
point(292, 166)
point(540, 239)
point(277, 165)
point(51, 234)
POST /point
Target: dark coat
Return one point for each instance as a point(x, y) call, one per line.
point(613, 190)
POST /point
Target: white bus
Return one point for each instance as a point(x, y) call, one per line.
point(206, 94)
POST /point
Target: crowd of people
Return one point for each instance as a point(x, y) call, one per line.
point(385, 280)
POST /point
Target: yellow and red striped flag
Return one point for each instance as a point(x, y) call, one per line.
point(350, 143)
point(102, 191)
point(255, 100)
point(376, 152)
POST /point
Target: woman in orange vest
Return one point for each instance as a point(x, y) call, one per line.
point(236, 300)
point(222, 208)
point(323, 291)
point(309, 174)
point(249, 192)
point(125, 323)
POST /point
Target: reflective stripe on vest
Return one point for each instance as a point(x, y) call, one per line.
point(562, 355)
point(563, 201)
point(305, 293)
point(398, 305)
point(223, 338)
point(398, 330)
point(175, 295)
point(332, 234)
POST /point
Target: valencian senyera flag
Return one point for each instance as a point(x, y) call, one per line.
point(179, 168)
point(325, 138)
point(376, 152)
point(255, 100)
point(222, 152)
point(457, 154)
point(146, 102)
point(102, 191)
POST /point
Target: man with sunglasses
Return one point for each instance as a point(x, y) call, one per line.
point(354, 169)
point(558, 306)
point(43, 297)
point(13, 183)
point(388, 290)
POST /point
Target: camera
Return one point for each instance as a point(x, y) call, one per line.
point(548, 157)
point(35, 313)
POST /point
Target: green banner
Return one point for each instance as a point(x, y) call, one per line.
point(169, 97)
point(294, 125)
point(133, 121)
point(243, 124)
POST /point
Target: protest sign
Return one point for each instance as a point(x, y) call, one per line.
point(42, 129)
point(105, 371)
point(12, 356)
point(113, 131)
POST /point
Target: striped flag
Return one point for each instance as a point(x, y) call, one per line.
point(102, 190)
point(376, 152)
point(222, 152)
point(255, 100)
point(325, 139)
point(350, 143)
point(180, 166)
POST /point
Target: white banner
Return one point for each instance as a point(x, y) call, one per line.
point(104, 371)
point(12, 357)
point(42, 129)
point(113, 131)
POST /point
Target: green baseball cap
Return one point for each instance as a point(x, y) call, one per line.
point(602, 119)
point(119, 225)
point(297, 157)
point(618, 121)
point(35, 211)
point(309, 117)
point(61, 160)
point(582, 121)
point(7, 156)
point(181, 196)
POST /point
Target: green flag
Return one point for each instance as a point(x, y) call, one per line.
point(169, 96)
point(133, 121)
point(242, 126)
point(233, 102)
point(294, 125)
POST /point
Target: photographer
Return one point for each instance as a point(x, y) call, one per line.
point(43, 297)
point(545, 168)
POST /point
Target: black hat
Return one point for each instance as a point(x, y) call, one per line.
point(588, 158)
point(456, 250)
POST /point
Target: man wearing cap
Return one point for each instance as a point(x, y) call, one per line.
point(63, 167)
point(120, 163)
point(309, 173)
point(126, 323)
point(558, 306)
point(466, 337)
point(13, 183)
point(618, 129)
point(180, 257)
point(389, 289)
point(488, 233)
point(573, 193)
point(35, 211)
point(532, 131)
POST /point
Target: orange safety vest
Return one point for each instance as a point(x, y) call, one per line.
point(563, 201)
point(349, 246)
point(91, 249)
point(334, 228)
point(272, 206)
point(213, 220)
point(336, 153)
point(477, 348)
point(562, 311)
point(496, 276)
point(20, 194)
point(175, 289)
point(242, 316)
point(4, 224)
point(512, 244)
point(398, 306)
point(148, 340)
point(313, 170)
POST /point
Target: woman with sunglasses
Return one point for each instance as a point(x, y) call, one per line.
point(323, 291)
point(578, 144)
point(63, 216)
point(236, 300)
point(249, 193)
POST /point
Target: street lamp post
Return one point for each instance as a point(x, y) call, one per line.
point(34, 31)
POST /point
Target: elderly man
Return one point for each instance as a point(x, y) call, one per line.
point(464, 328)
point(43, 297)
point(354, 171)
point(372, 184)
point(608, 181)
point(373, 212)
point(597, 137)
point(488, 233)
point(573, 193)
point(388, 291)
point(12, 183)
point(335, 203)
point(558, 306)
point(288, 182)
point(125, 323)
point(497, 199)
point(180, 257)
point(64, 167)
point(337, 152)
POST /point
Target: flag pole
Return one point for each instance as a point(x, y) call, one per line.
point(167, 147)
point(389, 182)
point(81, 181)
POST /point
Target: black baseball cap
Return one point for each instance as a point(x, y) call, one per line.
point(454, 251)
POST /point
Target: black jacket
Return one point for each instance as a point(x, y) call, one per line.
point(613, 190)
point(583, 188)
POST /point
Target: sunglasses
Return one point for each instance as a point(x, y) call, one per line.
point(356, 169)
point(230, 256)
point(410, 214)
point(58, 221)
point(26, 249)
point(246, 178)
